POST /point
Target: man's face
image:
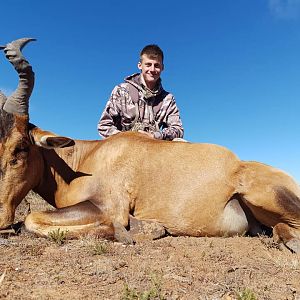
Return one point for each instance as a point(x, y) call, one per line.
point(151, 69)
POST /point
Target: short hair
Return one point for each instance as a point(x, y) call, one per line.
point(7, 123)
point(153, 51)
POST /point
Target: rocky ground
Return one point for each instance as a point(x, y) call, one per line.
point(244, 268)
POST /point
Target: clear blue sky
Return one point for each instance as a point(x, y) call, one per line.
point(233, 66)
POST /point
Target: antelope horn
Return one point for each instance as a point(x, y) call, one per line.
point(19, 100)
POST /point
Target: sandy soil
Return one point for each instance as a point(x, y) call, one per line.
point(244, 268)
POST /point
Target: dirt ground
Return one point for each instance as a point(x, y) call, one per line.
point(243, 268)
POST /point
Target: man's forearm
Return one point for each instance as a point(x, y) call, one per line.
point(106, 129)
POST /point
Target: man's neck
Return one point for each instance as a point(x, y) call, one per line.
point(149, 86)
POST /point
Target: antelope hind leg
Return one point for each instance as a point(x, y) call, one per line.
point(281, 214)
point(81, 219)
point(273, 198)
point(282, 233)
point(280, 209)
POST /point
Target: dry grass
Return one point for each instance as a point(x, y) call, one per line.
point(2, 277)
point(186, 268)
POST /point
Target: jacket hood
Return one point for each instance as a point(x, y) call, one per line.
point(136, 80)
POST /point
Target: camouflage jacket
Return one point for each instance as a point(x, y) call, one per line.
point(132, 106)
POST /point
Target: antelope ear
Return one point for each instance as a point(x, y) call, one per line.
point(47, 139)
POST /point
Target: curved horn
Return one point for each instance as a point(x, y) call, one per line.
point(18, 101)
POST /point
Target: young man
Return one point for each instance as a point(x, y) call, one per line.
point(141, 104)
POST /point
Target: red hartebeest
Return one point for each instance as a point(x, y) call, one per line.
point(189, 189)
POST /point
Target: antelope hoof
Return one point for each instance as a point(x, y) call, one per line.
point(146, 230)
point(293, 245)
point(122, 235)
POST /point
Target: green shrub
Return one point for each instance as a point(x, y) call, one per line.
point(58, 236)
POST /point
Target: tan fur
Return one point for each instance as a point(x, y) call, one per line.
point(188, 188)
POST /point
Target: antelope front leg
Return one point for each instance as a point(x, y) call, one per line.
point(81, 219)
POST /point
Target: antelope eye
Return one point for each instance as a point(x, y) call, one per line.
point(13, 162)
